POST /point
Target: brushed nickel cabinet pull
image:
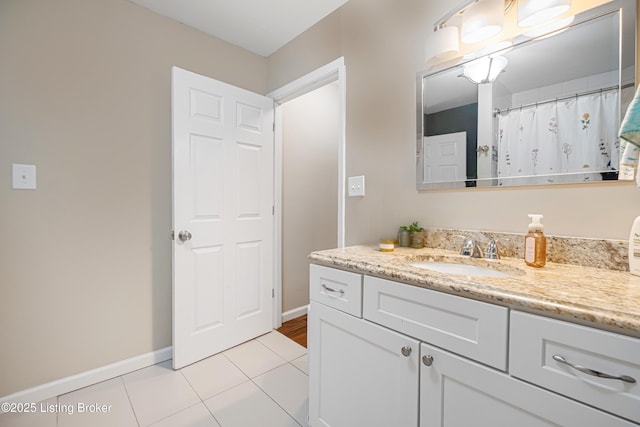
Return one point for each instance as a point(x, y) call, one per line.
point(593, 372)
point(328, 289)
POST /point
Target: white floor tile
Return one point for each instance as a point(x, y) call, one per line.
point(289, 387)
point(195, 416)
point(253, 358)
point(157, 392)
point(163, 397)
point(103, 404)
point(213, 375)
point(302, 363)
point(248, 406)
point(42, 417)
point(283, 346)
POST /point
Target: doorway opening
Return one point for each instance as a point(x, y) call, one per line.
point(310, 180)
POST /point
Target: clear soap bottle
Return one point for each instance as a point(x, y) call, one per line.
point(535, 243)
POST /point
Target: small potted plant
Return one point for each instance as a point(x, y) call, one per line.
point(411, 235)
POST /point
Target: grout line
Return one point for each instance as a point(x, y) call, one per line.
point(212, 414)
point(135, 415)
point(175, 413)
point(273, 399)
point(202, 399)
point(297, 367)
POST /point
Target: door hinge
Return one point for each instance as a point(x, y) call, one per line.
point(173, 235)
point(273, 293)
point(273, 210)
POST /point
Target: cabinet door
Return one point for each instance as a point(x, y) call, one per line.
point(456, 392)
point(360, 374)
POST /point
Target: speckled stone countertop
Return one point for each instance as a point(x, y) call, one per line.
point(605, 299)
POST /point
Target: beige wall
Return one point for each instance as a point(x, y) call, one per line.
point(310, 187)
point(382, 43)
point(85, 264)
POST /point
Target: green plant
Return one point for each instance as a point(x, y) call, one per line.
point(413, 227)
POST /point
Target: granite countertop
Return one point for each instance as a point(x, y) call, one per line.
point(600, 298)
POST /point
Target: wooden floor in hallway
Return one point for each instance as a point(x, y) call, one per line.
point(295, 329)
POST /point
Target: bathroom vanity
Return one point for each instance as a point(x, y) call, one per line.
point(394, 344)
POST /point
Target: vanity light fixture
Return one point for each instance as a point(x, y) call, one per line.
point(535, 12)
point(485, 69)
point(482, 19)
point(442, 45)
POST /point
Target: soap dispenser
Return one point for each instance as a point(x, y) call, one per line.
point(535, 243)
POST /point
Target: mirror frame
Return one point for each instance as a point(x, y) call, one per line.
point(624, 6)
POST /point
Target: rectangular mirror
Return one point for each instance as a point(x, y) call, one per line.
point(551, 115)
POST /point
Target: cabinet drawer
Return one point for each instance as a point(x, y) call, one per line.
point(467, 327)
point(339, 289)
point(536, 340)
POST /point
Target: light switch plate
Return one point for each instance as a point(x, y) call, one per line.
point(24, 177)
point(356, 186)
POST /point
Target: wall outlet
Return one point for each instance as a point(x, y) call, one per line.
point(24, 177)
point(356, 186)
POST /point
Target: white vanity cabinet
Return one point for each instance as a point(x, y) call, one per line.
point(419, 357)
point(361, 374)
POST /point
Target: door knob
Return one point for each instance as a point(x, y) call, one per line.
point(406, 351)
point(184, 235)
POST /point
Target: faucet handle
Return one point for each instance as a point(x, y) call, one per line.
point(470, 248)
point(467, 247)
point(492, 250)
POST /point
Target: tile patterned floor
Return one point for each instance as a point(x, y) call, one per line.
point(261, 383)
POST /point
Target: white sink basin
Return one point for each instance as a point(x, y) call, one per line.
point(463, 269)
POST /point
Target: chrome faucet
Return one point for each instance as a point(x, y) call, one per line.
point(471, 248)
point(492, 251)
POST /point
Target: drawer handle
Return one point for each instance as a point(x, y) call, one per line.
point(328, 289)
point(406, 351)
point(593, 372)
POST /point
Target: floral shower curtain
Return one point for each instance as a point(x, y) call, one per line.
point(570, 136)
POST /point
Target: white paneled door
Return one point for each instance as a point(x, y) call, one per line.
point(445, 157)
point(223, 222)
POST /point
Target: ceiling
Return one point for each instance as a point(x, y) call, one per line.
point(260, 26)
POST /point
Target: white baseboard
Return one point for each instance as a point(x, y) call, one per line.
point(296, 312)
point(87, 378)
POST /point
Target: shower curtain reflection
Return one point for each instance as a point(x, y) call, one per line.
point(575, 136)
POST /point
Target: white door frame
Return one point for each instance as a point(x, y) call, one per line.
point(334, 71)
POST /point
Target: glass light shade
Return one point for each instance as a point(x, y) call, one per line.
point(482, 21)
point(535, 12)
point(630, 128)
point(485, 69)
point(442, 45)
